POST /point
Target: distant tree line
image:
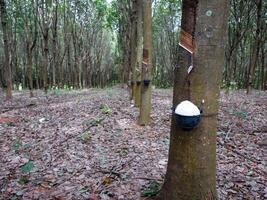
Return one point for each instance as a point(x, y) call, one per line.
point(246, 51)
point(246, 65)
point(57, 43)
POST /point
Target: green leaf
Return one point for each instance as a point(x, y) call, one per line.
point(105, 109)
point(240, 114)
point(16, 144)
point(94, 122)
point(84, 190)
point(123, 151)
point(27, 167)
point(152, 189)
point(9, 124)
point(85, 137)
point(28, 145)
point(23, 180)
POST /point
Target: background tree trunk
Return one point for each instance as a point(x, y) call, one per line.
point(45, 58)
point(145, 106)
point(45, 23)
point(256, 49)
point(6, 39)
point(191, 170)
point(139, 52)
point(31, 33)
point(55, 44)
point(133, 48)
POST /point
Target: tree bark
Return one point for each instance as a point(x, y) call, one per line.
point(31, 40)
point(45, 23)
point(7, 62)
point(145, 106)
point(45, 58)
point(256, 49)
point(133, 48)
point(29, 67)
point(191, 170)
point(139, 52)
point(55, 49)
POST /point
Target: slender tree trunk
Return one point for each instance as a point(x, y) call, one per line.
point(133, 48)
point(7, 62)
point(45, 23)
point(37, 70)
point(45, 59)
point(29, 67)
point(256, 49)
point(145, 106)
point(264, 69)
point(14, 51)
point(139, 52)
point(191, 170)
point(31, 40)
point(55, 50)
point(265, 78)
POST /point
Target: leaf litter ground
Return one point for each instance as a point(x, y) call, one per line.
point(86, 145)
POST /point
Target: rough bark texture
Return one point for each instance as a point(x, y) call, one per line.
point(54, 44)
point(191, 171)
point(133, 48)
point(31, 40)
point(7, 62)
point(45, 58)
point(139, 52)
point(145, 106)
point(29, 67)
point(256, 49)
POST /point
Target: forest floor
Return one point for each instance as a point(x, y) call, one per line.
point(86, 145)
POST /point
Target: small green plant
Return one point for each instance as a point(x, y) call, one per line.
point(232, 85)
point(9, 124)
point(84, 190)
point(85, 137)
point(27, 167)
point(105, 109)
point(93, 122)
point(123, 151)
point(17, 144)
point(23, 180)
point(27, 146)
point(151, 189)
point(56, 92)
point(240, 114)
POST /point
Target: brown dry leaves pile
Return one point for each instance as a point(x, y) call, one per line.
point(86, 145)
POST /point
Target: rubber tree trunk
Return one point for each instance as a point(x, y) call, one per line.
point(45, 58)
point(55, 44)
point(7, 62)
point(29, 66)
point(133, 48)
point(31, 40)
point(191, 170)
point(145, 106)
point(256, 49)
point(139, 52)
